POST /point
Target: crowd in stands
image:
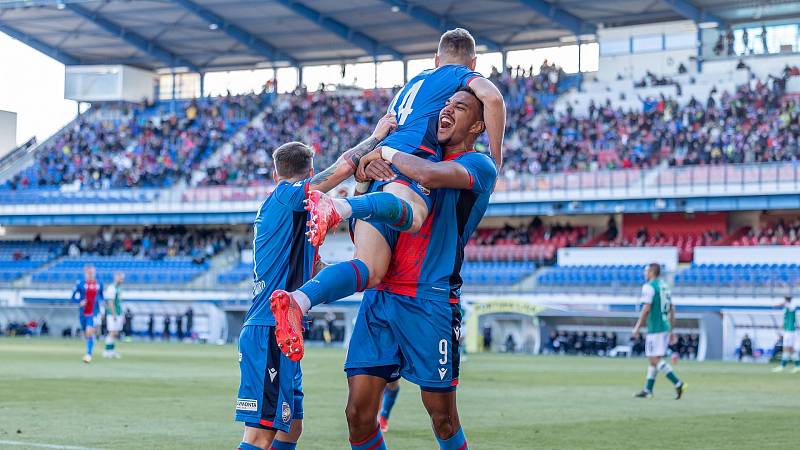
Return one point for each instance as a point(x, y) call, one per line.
point(779, 233)
point(142, 146)
point(329, 122)
point(153, 243)
point(30, 328)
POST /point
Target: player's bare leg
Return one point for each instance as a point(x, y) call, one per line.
point(657, 364)
point(332, 283)
point(288, 441)
point(256, 437)
point(363, 402)
point(442, 409)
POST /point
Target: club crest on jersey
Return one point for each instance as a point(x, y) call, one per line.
point(246, 404)
point(442, 372)
point(286, 412)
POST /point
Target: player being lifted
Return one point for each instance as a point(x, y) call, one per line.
point(115, 318)
point(399, 204)
point(659, 315)
point(270, 396)
point(88, 293)
point(409, 326)
point(789, 336)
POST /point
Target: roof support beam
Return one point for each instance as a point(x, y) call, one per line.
point(692, 12)
point(357, 38)
point(136, 40)
point(239, 34)
point(563, 18)
point(49, 50)
point(439, 23)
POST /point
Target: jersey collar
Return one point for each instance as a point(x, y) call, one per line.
point(453, 156)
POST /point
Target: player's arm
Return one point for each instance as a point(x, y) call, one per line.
point(494, 115)
point(647, 299)
point(346, 165)
point(77, 295)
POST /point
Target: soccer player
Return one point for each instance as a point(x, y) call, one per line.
point(399, 203)
point(390, 393)
point(270, 396)
point(115, 318)
point(409, 326)
point(659, 315)
point(789, 336)
point(88, 293)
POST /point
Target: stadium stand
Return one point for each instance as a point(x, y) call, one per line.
point(19, 258)
point(169, 270)
point(739, 275)
point(591, 276)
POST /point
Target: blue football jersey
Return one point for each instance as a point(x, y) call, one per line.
point(282, 256)
point(417, 107)
point(427, 264)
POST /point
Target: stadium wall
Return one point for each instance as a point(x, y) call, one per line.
point(8, 132)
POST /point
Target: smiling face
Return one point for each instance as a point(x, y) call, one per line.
point(460, 121)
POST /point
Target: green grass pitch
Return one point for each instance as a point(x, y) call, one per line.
point(172, 396)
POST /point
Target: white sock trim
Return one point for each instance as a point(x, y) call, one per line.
point(302, 300)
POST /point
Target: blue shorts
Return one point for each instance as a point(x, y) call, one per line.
point(400, 336)
point(271, 387)
point(87, 321)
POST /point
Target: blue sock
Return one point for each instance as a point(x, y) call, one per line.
point(455, 442)
point(245, 446)
point(89, 345)
point(281, 445)
point(374, 442)
point(337, 281)
point(382, 207)
point(389, 396)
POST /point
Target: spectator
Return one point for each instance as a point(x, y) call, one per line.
point(150, 326)
point(746, 349)
point(510, 344)
point(166, 331)
point(487, 338)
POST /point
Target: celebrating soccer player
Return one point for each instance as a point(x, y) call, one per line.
point(659, 315)
point(400, 202)
point(88, 293)
point(270, 397)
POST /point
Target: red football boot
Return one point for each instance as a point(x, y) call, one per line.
point(323, 217)
point(288, 324)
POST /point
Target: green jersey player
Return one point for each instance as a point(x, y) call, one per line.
point(659, 315)
point(115, 317)
point(789, 336)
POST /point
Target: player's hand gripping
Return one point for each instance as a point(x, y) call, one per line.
point(361, 174)
point(380, 170)
point(386, 125)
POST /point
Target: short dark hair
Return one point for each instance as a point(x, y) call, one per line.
point(655, 268)
point(457, 44)
point(293, 159)
point(469, 90)
point(787, 299)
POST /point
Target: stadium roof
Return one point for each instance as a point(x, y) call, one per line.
point(208, 35)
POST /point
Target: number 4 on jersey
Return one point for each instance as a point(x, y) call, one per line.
point(406, 109)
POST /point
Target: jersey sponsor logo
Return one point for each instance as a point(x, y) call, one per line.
point(442, 372)
point(457, 332)
point(246, 404)
point(286, 412)
point(272, 373)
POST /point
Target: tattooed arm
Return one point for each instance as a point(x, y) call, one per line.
point(347, 163)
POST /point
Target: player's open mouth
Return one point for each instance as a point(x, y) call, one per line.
point(446, 121)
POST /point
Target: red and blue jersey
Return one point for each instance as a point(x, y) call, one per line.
point(417, 107)
point(427, 264)
point(91, 292)
point(282, 256)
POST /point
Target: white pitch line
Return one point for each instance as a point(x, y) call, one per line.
point(33, 444)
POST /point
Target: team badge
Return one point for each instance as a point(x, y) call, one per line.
point(286, 412)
